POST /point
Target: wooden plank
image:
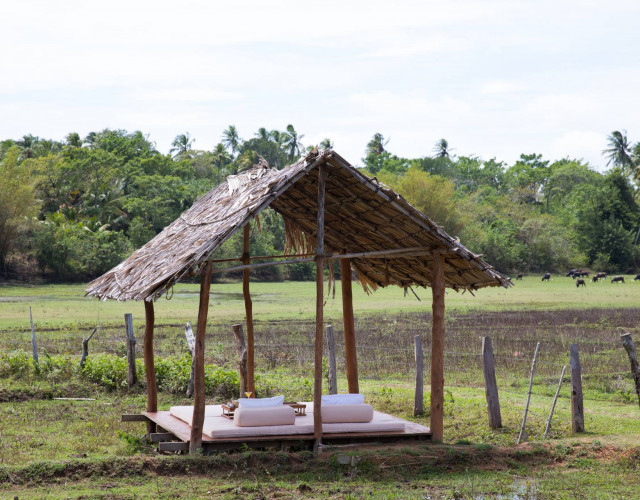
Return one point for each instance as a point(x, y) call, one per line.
point(627, 342)
point(173, 446)
point(332, 375)
point(131, 351)
point(418, 402)
point(157, 437)
point(437, 348)
point(248, 308)
point(577, 405)
point(198, 382)
point(317, 386)
point(490, 384)
point(351, 357)
point(241, 351)
point(149, 363)
point(553, 405)
point(134, 418)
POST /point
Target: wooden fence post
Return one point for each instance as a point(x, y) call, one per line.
point(577, 406)
point(191, 342)
point(526, 409)
point(553, 405)
point(34, 346)
point(85, 348)
point(627, 342)
point(332, 376)
point(418, 404)
point(490, 384)
point(241, 349)
point(131, 350)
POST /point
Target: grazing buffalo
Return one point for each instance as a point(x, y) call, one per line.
point(546, 277)
point(637, 277)
point(519, 277)
point(601, 275)
point(582, 274)
point(572, 273)
point(617, 279)
point(580, 282)
point(594, 279)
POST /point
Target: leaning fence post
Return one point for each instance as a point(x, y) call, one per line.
point(490, 384)
point(332, 375)
point(34, 346)
point(85, 348)
point(627, 342)
point(191, 343)
point(526, 409)
point(418, 405)
point(553, 405)
point(577, 406)
point(241, 350)
point(131, 350)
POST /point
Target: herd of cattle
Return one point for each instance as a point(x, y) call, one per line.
point(579, 275)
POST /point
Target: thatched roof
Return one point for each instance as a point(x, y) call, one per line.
point(360, 216)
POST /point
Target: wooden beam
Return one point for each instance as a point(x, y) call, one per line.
point(149, 363)
point(248, 308)
point(195, 444)
point(437, 349)
point(317, 385)
point(351, 357)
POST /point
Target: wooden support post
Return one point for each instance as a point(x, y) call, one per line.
point(131, 351)
point(437, 349)
point(333, 372)
point(418, 404)
point(351, 357)
point(553, 405)
point(149, 364)
point(85, 348)
point(490, 384)
point(195, 442)
point(526, 408)
point(577, 405)
point(241, 350)
point(191, 342)
point(34, 346)
point(317, 386)
point(248, 307)
point(627, 342)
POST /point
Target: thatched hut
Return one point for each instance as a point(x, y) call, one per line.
point(330, 211)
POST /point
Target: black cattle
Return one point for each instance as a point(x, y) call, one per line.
point(617, 279)
point(519, 277)
point(580, 282)
point(582, 274)
point(572, 273)
point(601, 275)
point(637, 277)
point(594, 279)
point(546, 277)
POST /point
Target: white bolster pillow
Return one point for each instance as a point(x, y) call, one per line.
point(339, 414)
point(260, 417)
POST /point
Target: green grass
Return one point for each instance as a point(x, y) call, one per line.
point(55, 305)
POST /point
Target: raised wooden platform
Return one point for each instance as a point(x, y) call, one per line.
point(173, 434)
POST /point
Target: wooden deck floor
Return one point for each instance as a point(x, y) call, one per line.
point(173, 434)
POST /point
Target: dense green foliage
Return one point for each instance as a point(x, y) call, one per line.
point(74, 209)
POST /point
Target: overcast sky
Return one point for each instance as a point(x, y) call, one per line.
point(495, 78)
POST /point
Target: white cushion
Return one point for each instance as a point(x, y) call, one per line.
point(332, 414)
point(343, 399)
point(260, 417)
point(260, 402)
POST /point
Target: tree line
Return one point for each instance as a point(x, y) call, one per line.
point(72, 209)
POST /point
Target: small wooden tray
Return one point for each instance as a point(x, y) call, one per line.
point(300, 409)
point(227, 411)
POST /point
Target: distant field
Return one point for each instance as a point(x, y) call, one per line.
point(56, 305)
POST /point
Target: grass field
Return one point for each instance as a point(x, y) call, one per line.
point(79, 449)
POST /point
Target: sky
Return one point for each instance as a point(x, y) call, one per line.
point(495, 78)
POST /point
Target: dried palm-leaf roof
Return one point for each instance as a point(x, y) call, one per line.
point(361, 216)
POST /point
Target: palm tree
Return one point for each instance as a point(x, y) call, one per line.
point(182, 145)
point(376, 144)
point(441, 149)
point(220, 157)
point(326, 144)
point(292, 142)
point(73, 140)
point(263, 134)
point(231, 139)
point(619, 151)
